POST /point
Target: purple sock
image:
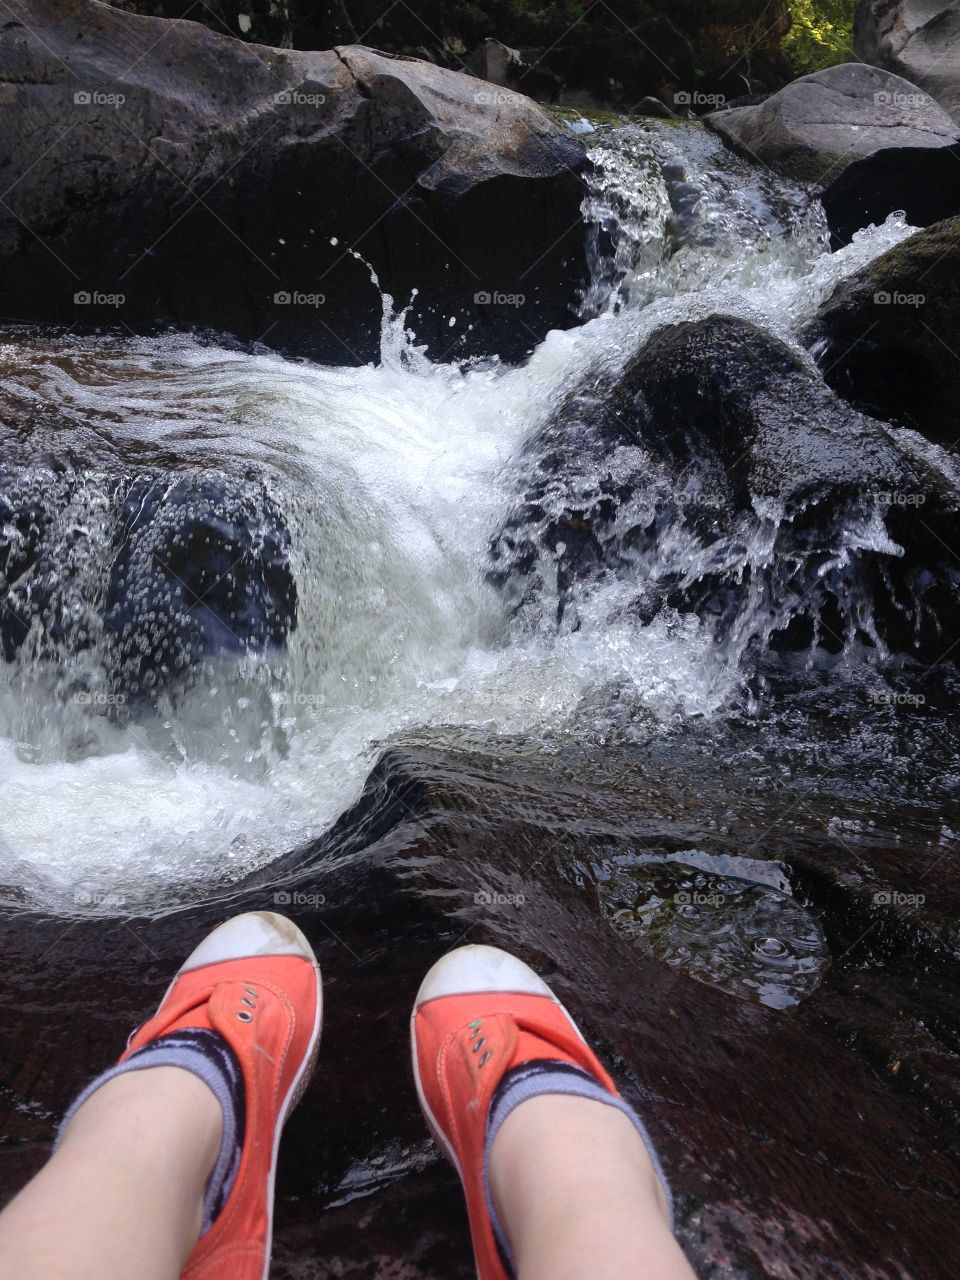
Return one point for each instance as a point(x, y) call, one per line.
point(531, 1080)
point(207, 1056)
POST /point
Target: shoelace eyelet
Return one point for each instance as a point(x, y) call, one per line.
point(244, 1016)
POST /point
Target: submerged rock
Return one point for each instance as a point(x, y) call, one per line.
point(887, 338)
point(868, 141)
point(719, 475)
point(159, 173)
point(154, 573)
point(201, 567)
point(920, 41)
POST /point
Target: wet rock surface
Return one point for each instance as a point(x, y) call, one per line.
point(709, 429)
point(920, 41)
point(163, 174)
point(868, 141)
point(817, 1141)
point(197, 565)
point(884, 336)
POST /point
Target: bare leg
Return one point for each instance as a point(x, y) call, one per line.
point(122, 1196)
point(577, 1194)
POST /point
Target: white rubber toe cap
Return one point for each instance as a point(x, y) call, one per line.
point(479, 968)
point(257, 933)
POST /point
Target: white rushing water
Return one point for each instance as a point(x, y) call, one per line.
point(393, 479)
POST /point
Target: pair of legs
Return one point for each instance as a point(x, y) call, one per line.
point(572, 1183)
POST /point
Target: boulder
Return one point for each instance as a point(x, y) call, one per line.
point(868, 142)
point(154, 573)
point(158, 173)
point(719, 475)
point(888, 337)
point(917, 39)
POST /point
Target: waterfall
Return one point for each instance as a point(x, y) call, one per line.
point(389, 483)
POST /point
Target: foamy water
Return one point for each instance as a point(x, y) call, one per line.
point(393, 479)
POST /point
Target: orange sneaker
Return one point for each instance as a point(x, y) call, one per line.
point(480, 1012)
point(255, 981)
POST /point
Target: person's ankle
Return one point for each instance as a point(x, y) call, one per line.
point(184, 1106)
point(561, 1145)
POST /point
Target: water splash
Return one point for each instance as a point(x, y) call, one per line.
point(674, 211)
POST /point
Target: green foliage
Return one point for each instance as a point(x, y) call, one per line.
point(821, 34)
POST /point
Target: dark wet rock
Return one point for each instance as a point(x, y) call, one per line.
point(869, 143)
point(714, 435)
point(859, 1175)
point(157, 572)
point(888, 338)
point(920, 41)
point(159, 173)
point(650, 106)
